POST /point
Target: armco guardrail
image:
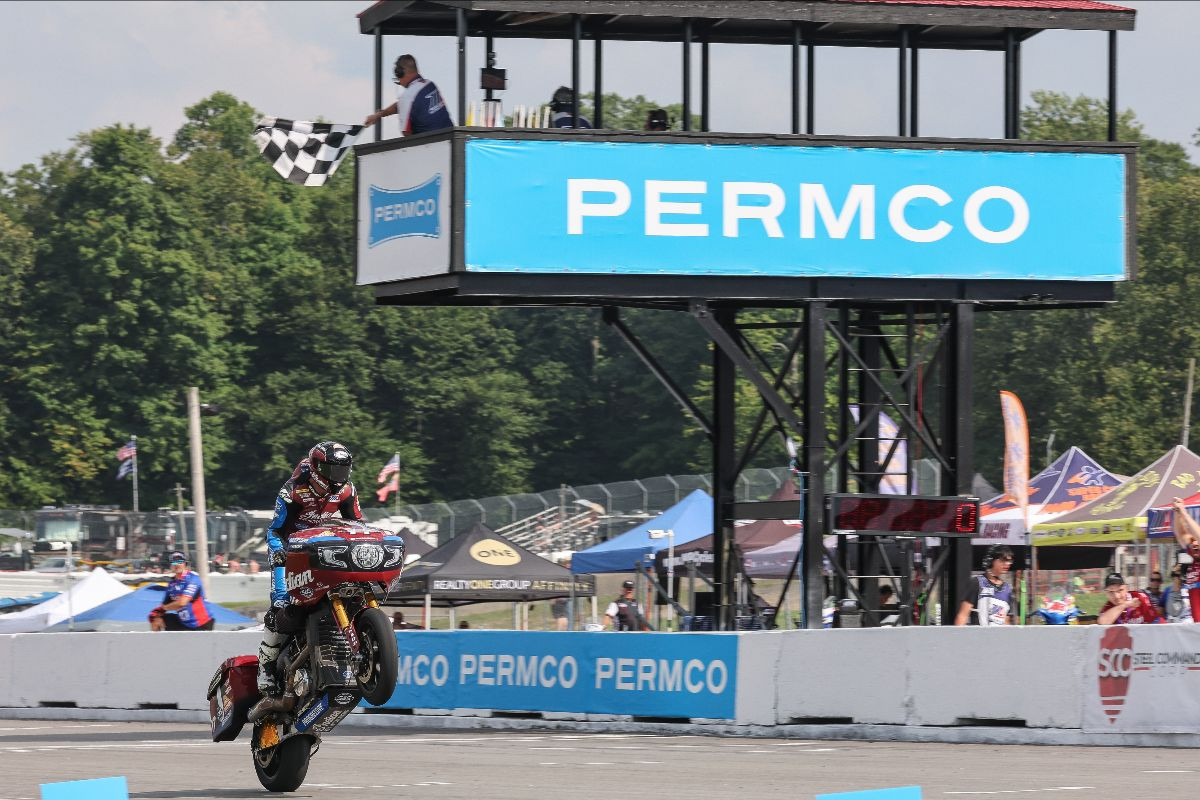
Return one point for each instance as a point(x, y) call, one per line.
point(1136, 679)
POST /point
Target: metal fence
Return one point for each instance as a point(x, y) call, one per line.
point(637, 498)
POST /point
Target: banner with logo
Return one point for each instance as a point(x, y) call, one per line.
point(643, 674)
point(1142, 679)
point(1016, 451)
point(625, 208)
point(404, 213)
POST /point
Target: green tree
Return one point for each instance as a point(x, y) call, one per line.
point(1107, 379)
point(629, 113)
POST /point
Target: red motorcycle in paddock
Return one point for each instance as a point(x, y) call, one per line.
point(342, 650)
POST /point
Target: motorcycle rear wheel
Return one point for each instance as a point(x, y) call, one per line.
point(283, 767)
point(377, 676)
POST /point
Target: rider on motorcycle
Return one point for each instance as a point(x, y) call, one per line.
point(319, 487)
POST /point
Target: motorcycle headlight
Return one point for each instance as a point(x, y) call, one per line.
point(333, 556)
point(367, 556)
point(395, 554)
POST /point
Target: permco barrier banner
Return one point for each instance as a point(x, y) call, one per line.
point(811, 211)
point(643, 674)
point(1143, 679)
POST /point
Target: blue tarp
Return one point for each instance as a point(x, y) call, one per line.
point(690, 518)
point(128, 613)
point(27, 600)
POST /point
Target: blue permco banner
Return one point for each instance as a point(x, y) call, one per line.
point(671, 675)
point(811, 211)
point(396, 213)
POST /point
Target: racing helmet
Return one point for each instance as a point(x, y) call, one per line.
point(329, 466)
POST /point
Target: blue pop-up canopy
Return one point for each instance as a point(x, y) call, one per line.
point(129, 612)
point(690, 518)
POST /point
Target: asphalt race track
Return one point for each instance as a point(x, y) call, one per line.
point(175, 760)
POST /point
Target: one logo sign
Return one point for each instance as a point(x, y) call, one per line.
point(397, 213)
point(495, 553)
point(1115, 669)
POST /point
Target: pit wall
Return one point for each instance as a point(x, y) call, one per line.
point(1136, 679)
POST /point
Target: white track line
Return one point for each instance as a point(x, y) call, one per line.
point(1027, 791)
point(57, 728)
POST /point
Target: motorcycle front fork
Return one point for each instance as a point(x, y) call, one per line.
point(343, 619)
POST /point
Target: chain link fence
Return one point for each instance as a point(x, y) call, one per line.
point(636, 498)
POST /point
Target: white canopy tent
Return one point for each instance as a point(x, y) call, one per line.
point(98, 587)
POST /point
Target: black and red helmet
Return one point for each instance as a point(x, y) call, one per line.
point(329, 466)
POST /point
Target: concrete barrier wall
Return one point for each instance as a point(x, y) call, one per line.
point(115, 670)
point(895, 676)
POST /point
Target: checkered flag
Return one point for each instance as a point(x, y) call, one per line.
point(306, 153)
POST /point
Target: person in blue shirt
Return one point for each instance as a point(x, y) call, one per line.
point(561, 103)
point(419, 105)
point(183, 606)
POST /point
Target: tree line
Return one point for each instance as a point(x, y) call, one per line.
point(130, 270)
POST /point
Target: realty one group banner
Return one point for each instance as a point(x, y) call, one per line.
point(642, 674)
point(1142, 679)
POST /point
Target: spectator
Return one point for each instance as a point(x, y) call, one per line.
point(1155, 590)
point(624, 613)
point(253, 566)
point(1174, 604)
point(1125, 606)
point(560, 613)
point(419, 105)
point(1187, 533)
point(183, 606)
point(989, 596)
point(657, 120)
point(398, 623)
point(464, 625)
point(560, 106)
point(233, 564)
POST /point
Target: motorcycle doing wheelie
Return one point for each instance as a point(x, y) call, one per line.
point(341, 650)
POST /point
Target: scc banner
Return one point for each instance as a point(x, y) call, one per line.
point(643, 674)
point(1143, 679)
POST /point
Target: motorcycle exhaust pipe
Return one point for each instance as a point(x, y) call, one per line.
point(287, 701)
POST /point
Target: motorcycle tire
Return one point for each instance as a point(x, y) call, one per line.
point(286, 764)
point(377, 677)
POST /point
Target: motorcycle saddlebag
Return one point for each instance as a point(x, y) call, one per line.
point(232, 692)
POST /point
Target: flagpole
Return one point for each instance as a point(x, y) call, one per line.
point(135, 476)
point(397, 496)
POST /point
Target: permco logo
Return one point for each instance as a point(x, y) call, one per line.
point(1115, 668)
point(397, 213)
point(297, 579)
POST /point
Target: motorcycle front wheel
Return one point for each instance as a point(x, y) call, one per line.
point(282, 768)
point(377, 675)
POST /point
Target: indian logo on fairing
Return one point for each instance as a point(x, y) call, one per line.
point(297, 579)
point(1115, 670)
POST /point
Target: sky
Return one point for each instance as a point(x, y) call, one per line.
point(71, 67)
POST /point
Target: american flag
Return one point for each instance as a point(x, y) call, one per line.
point(393, 486)
point(128, 451)
point(390, 468)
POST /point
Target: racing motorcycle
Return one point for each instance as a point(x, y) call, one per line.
point(341, 650)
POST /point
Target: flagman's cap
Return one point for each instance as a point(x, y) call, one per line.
point(177, 558)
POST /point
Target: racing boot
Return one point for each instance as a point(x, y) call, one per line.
point(273, 699)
